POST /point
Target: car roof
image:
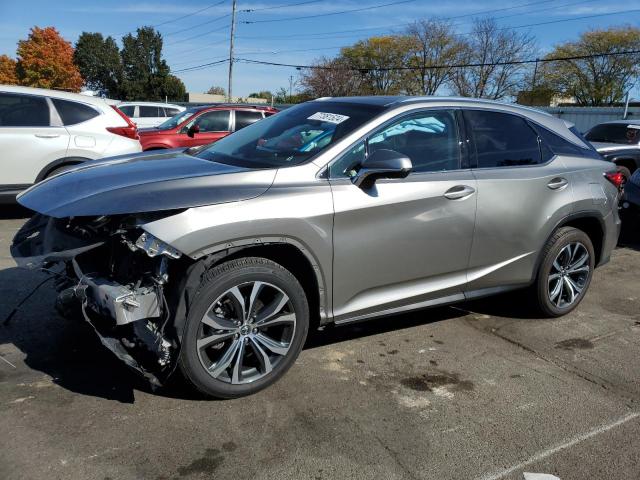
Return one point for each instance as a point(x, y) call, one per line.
point(151, 104)
point(227, 106)
point(56, 94)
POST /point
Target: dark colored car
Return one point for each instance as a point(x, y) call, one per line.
point(631, 198)
point(201, 125)
point(618, 142)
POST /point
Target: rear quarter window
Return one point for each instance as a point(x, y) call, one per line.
point(72, 113)
point(554, 144)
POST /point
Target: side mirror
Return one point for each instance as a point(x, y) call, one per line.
point(193, 129)
point(382, 164)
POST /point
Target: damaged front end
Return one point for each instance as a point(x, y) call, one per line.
point(116, 275)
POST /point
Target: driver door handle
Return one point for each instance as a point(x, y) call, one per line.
point(459, 191)
point(557, 183)
point(47, 135)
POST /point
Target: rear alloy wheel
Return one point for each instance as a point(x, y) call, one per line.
point(247, 325)
point(565, 272)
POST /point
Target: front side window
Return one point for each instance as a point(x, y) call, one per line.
point(245, 118)
point(502, 139)
point(72, 113)
point(18, 110)
point(615, 133)
point(214, 121)
point(291, 137)
point(430, 139)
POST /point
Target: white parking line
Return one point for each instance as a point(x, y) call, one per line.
point(553, 450)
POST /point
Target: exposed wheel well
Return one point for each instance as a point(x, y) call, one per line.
point(593, 228)
point(293, 260)
point(629, 163)
point(63, 162)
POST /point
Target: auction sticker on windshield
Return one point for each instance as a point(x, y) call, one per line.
point(328, 117)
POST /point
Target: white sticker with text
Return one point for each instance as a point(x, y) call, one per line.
point(328, 117)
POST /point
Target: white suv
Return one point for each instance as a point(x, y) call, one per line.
point(149, 114)
point(45, 131)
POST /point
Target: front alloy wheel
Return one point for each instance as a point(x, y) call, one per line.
point(245, 328)
point(246, 332)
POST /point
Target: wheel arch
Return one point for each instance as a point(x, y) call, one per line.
point(61, 162)
point(288, 252)
point(590, 222)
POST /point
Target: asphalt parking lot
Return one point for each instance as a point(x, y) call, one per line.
point(476, 391)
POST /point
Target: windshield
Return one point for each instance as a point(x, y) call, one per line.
point(292, 136)
point(176, 119)
point(615, 133)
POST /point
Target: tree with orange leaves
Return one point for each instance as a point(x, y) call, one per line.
point(8, 70)
point(45, 60)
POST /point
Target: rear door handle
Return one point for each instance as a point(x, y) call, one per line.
point(459, 191)
point(557, 183)
point(47, 135)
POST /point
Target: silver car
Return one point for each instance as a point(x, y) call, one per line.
point(216, 261)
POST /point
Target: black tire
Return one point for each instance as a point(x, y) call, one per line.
point(543, 287)
point(60, 169)
point(217, 282)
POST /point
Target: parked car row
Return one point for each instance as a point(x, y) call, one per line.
point(44, 132)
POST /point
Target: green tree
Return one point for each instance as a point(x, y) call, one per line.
point(217, 90)
point(174, 90)
point(144, 71)
point(266, 94)
point(597, 80)
point(98, 60)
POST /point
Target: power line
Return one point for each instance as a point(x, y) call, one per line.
point(200, 67)
point(197, 25)
point(173, 20)
point(251, 10)
point(199, 35)
point(361, 9)
point(436, 67)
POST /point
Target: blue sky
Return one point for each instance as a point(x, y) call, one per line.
point(267, 40)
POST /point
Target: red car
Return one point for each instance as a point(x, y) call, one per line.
point(201, 125)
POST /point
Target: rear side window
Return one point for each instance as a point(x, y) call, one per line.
point(148, 111)
point(128, 110)
point(559, 146)
point(23, 111)
point(170, 112)
point(244, 118)
point(72, 113)
point(502, 139)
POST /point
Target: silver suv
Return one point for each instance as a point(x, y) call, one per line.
point(218, 259)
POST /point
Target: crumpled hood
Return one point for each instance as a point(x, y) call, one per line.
point(145, 182)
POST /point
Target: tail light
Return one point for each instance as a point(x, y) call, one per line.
point(616, 178)
point(130, 131)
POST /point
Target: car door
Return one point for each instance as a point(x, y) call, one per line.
point(403, 243)
point(522, 193)
point(31, 137)
point(212, 126)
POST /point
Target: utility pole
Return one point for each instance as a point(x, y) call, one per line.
point(290, 87)
point(233, 31)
